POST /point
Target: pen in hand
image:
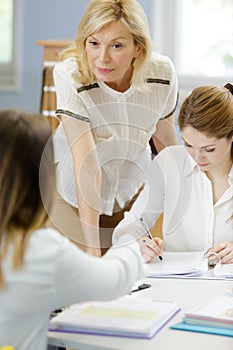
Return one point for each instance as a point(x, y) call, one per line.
point(148, 234)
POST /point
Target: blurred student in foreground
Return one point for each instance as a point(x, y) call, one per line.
point(41, 270)
point(192, 184)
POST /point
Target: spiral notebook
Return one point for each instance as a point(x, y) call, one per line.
point(126, 317)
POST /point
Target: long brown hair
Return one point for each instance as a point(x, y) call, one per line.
point(209, 109)
point(24, 142)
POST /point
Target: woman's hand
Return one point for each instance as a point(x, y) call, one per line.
point(224, 250)
point(151, 248)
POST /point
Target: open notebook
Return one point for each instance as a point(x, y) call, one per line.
point(187, 264)
point(126, 316)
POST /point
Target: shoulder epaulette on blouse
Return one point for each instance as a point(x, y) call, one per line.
point(72, 115)
point(158, 81)
point(87, 87)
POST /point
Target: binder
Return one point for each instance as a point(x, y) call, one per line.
point(183, 326)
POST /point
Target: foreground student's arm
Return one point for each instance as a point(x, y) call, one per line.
point(81, 277)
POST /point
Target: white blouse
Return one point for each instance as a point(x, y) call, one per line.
point(56, 273)
point(122, 124)
point(177, 187)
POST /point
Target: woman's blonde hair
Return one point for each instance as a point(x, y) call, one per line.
point(100, 13)
point(25, 140)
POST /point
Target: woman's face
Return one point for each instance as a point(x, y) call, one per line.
point(110, 53)
point(209, 153)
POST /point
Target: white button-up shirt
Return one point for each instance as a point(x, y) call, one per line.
point(177, 187)
point(121, 123)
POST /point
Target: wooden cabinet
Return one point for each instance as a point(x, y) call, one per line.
point(51, 49)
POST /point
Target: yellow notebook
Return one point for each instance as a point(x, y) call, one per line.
point(126, 316)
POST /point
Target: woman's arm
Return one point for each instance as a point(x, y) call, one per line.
point(81, 277)
point(85, 160)
point(165, 134)
point(148, 206)
point(88, 179)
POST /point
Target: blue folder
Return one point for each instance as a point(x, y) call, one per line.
point(183, 326)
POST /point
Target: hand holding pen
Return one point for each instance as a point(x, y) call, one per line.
point(152, 246)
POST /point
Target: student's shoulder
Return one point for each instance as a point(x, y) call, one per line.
point(172, 154)
point(48, 236)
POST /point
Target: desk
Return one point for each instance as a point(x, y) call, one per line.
point(188, 293)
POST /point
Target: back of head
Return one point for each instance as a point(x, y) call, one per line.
point(24, 142)
point(100, 13)
point(208, 109)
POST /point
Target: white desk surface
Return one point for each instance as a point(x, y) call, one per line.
point(188, 293)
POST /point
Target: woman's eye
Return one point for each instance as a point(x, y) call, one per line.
point(93, 43)
point(210, 149)
point(187, 145)
point(117, 46)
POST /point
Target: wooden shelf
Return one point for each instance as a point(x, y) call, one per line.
point(51, 49)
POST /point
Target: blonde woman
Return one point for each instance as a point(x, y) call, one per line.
point(194, 181)
point(113, 95)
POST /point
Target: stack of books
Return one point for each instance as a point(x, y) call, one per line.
point(213, 317)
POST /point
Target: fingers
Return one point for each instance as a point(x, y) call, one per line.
point(151, 248)
point(224, 250)
point(159, 242)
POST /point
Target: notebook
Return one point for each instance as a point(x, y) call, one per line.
point(187, 264)
point(214, 317)
point(126, 317)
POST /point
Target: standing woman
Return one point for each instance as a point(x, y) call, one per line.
point(113, 95)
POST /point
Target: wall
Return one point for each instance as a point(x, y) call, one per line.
point(43, 20)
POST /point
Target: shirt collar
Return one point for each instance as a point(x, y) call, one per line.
point(191, 165)
point(114, 93)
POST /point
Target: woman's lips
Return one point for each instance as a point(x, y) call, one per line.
point(104, 70)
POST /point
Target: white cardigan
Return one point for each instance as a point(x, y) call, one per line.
point(56, 273)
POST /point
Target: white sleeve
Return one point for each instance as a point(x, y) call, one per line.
point(171, 99)
point(66, 90)
point(82, 277)
point(149, 205)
